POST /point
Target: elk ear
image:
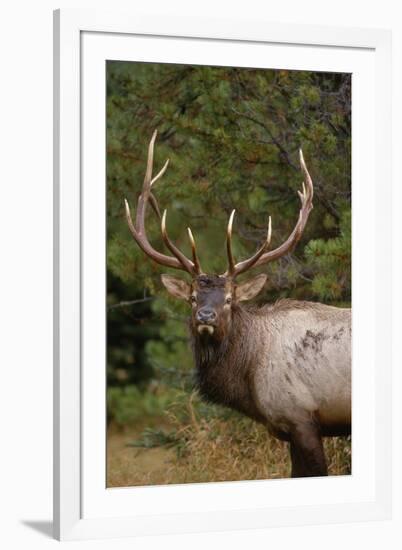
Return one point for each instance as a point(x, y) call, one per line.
point(176, 287)
point(249, 289)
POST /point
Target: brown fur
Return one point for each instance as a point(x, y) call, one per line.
point(224, 368)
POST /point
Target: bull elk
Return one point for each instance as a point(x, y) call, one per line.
point(287, 364)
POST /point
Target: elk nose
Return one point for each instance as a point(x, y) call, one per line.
point(206, 315)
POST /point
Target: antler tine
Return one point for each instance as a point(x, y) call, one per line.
point(196, 261)
point(308, 182)
point(150, 161)
point(175, 251)
point(303, 195)
point(138, 230)
point(247, 264)
point(128, 217)
point(160, 173)
point(154, 203)
point(145, 245)
point(262, 256)
point(155, 206)
point(231, 261)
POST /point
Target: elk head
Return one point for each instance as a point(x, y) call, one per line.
point(212, 297)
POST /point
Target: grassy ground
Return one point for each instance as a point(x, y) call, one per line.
point(203, 450)
point(128, 466)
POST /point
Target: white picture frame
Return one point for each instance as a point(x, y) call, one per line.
point(83, 507)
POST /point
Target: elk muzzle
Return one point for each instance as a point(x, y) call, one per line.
point(206, 318)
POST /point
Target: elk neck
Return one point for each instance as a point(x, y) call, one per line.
point(225, 369)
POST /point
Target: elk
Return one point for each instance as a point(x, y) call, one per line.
point(286, 365)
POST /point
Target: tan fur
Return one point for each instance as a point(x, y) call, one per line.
point(305, 363)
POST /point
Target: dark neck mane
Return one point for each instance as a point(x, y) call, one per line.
point(224, 370)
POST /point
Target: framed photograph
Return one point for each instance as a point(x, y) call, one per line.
point(222, 233)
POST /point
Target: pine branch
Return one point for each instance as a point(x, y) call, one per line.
point(131, 303)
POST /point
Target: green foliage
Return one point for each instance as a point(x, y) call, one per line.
point(128, 332)
point(331, 260)
point(129, 404)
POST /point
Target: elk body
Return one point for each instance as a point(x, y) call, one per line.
point(286, 365)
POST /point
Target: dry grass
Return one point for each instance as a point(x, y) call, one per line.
point(208, 449)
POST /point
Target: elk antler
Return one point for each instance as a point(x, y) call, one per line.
point(179, 261)
point(262, 256)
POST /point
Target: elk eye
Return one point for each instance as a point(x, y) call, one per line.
point(229, 300)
